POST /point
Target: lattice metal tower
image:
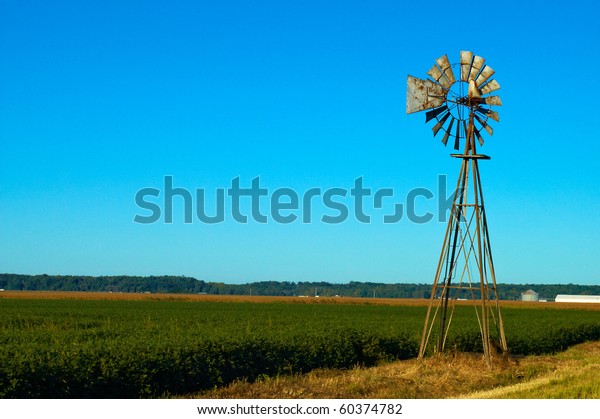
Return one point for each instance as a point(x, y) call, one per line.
point(462, 109)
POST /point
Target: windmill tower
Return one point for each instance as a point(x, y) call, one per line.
point(462, 109)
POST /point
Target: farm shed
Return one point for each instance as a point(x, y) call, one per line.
point(563, 298)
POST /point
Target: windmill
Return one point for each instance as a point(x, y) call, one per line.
point(462, 108)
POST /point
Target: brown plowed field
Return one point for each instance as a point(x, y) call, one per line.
point(78, 295)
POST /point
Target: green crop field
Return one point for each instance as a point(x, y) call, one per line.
point(126, 349)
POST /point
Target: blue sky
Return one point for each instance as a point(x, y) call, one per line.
point(101, 99)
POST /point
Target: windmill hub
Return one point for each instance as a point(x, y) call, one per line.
point(458, 95)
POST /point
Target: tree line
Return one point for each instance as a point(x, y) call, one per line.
point(189, 285)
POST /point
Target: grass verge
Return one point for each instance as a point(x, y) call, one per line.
point(574, 373)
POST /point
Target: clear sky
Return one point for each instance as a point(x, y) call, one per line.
point(101, 99)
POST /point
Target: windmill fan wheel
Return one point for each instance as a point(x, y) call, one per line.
point(453, 102)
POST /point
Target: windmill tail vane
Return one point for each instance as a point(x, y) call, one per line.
point(458, 98)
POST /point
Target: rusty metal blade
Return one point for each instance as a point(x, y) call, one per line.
point(473, 92)
point(489, 113)
point(438, 76)
point(444, 82)
point(446, 68)
point(447, 134)
point(485, 74)
point(450, 75)
point(479, 137)
point(443, 62)
point(466, 134)
point(489, 129)
point(489, 87)
point(423, 94)
point(434, 113)
point(494, 115)
point(476, 67)
point(484, 124)
point(440, 124)
point(466, 59)
point(493, 100)
point(457, 137)
point(435, 73)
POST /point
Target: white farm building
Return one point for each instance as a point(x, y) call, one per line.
point(563, 298)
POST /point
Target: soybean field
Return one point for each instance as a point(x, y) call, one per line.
point(127, 348)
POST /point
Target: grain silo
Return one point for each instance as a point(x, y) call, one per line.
point(530, 295)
